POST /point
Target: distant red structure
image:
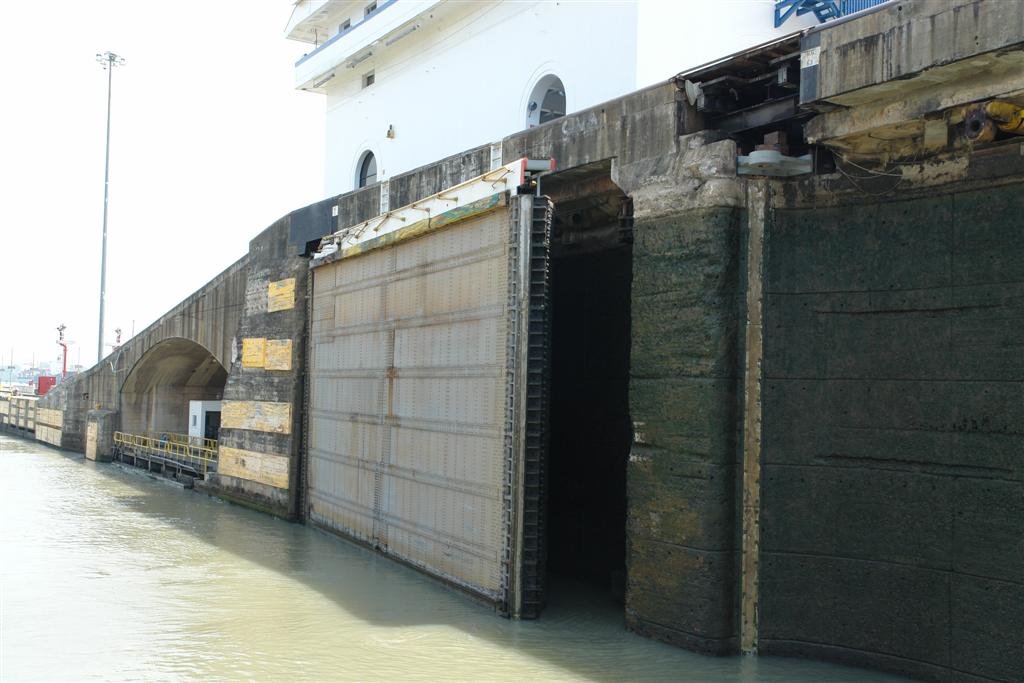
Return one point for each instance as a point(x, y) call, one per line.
point(44, 383)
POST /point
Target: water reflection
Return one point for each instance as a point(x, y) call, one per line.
point(109, 574)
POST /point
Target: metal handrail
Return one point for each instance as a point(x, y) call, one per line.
point(199, 457)
point(340, 34)
point(186, 439)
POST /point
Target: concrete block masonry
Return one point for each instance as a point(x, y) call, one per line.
point(99, 439)
point(261, 423)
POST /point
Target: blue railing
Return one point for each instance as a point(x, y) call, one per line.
point(330, 41)
point(851, 6)
point(822, 9)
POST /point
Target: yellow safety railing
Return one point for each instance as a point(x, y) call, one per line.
point(173, 447)
point(210, 444)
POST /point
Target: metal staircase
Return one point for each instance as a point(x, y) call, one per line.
point(822, 9)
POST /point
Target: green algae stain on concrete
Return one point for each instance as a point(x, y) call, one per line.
point(687, 311)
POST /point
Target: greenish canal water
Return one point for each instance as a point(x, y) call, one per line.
point(110, 574)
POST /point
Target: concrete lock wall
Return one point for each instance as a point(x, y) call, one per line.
point(262, 405)
point(99, 434)
point(892, 500)
point(203, 324)
point(685, 395)
point(155, 395)
point(685, 402)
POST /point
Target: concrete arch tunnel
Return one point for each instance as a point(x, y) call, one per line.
point(156, 393)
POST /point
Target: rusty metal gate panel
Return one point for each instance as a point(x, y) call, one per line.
point(413, 405)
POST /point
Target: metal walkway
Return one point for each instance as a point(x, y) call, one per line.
point(166, 452)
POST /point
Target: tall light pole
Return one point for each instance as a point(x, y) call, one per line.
point(109, 60)
point(61, 344)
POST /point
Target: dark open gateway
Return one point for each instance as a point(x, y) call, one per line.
point(212, 425)
point(589, 425)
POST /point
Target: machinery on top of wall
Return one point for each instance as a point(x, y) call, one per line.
point(985, 122)
point(770, 101)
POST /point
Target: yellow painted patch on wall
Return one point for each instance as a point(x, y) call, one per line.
point(90, 440)
point(48, 435)
point(51, 417)
point(260, 416)
point(279, 354)
point(281, 295)
point(270, 354)
point(264, 468)
point(253, 352)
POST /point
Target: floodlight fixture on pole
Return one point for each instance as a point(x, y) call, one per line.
point(108, 60)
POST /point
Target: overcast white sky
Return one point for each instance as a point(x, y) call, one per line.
point(210, 144)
